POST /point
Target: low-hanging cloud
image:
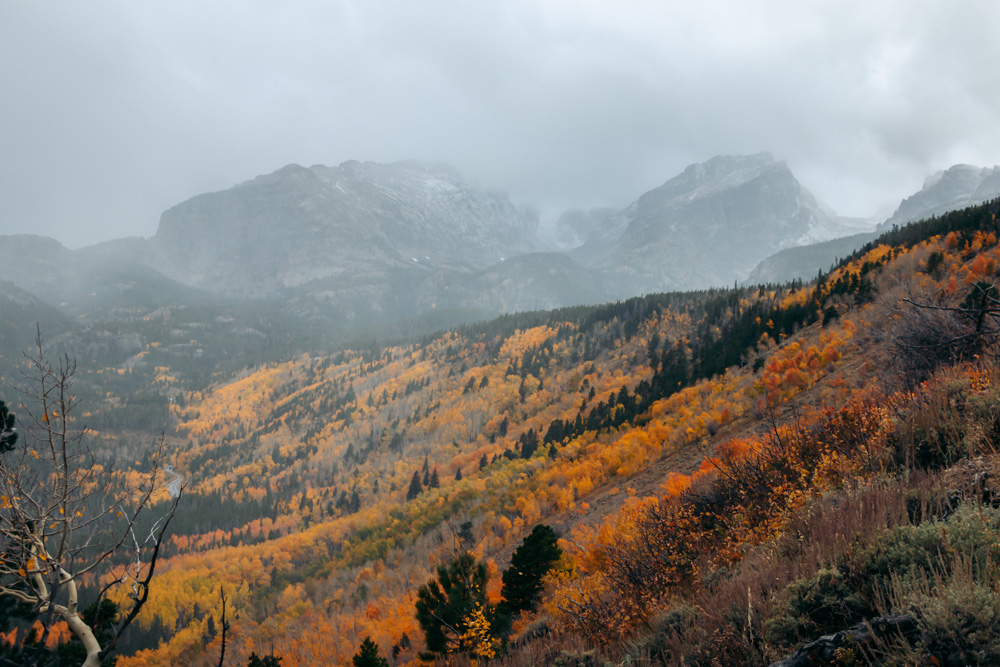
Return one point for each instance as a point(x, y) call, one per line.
point(115, 110)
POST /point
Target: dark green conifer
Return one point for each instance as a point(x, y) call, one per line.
point(522, 581)
point(415, 487)
point(367, 655)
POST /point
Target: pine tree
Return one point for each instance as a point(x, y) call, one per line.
point(434, 482)
point(447, 607)
point(415, 487)
point(355, 501)
point(266, 661)
point(522, 581)
point(367, 655)
point(458, 475)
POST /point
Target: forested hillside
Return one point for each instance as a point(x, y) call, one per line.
point(731, 474)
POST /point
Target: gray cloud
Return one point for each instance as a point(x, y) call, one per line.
point(116, 110)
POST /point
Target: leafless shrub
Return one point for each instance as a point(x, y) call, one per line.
point(930, 331)
point(66, 521)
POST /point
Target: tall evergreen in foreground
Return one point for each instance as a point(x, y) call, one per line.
point(522, 581)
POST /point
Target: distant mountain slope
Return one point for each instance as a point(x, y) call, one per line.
point(804, 262)
point(108, 281)
point(301, 224)
point(575, 226)
point(527, 282)
point(955, 188)
point(711, 225)
point(21, 313)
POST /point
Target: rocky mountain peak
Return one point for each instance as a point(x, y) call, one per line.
point(711, 224)
point(956, 187)
point(300, 224)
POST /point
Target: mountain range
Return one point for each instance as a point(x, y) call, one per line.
point(362, 245)
point(957, 187)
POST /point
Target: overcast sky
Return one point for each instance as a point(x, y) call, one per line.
point(113, 111)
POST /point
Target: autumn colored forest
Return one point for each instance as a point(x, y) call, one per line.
point(731, 475)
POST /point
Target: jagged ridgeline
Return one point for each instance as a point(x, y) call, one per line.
point(654, 435)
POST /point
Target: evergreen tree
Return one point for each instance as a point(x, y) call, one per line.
point(529, 443)
point(402, 645)
point(446, 605)
point(434, 481)
point(367, 655)
point(355, 501)
point(458, 475)
point(415, 487)
point(522, 581)
point(266, 661)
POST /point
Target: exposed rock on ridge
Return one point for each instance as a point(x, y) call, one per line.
point(302, 224)
point(956, 187)
point(710, 225)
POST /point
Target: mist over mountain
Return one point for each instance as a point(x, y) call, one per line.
point(109, 281)
point(710, 225)
point(954, 188)
point(364, 246)
point(575, 226)
point(300, 224)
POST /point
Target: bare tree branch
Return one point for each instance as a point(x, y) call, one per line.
point(66, 521)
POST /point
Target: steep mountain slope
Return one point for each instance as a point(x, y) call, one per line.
point(107, 281)
point(575, 226)
point(20, 314)
point(955, 188)
point(803, 262)
point(541, 417)
point(356, 220)
point(710, 225)
point(596, 420)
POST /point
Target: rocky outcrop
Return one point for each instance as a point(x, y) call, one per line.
point(838, 648)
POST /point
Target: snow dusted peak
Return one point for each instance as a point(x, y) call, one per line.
point(933, 180)
point(732, 168)
point(729, 164)
point(723, 172)
point(711, 224)
point(301, 224)
point(963, 178)
point(956, 187)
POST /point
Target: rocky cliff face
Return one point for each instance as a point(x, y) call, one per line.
point(957, 187)
point(358, 219)
point(710, 225)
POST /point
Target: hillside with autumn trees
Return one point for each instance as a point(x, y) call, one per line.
point(731, 474)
